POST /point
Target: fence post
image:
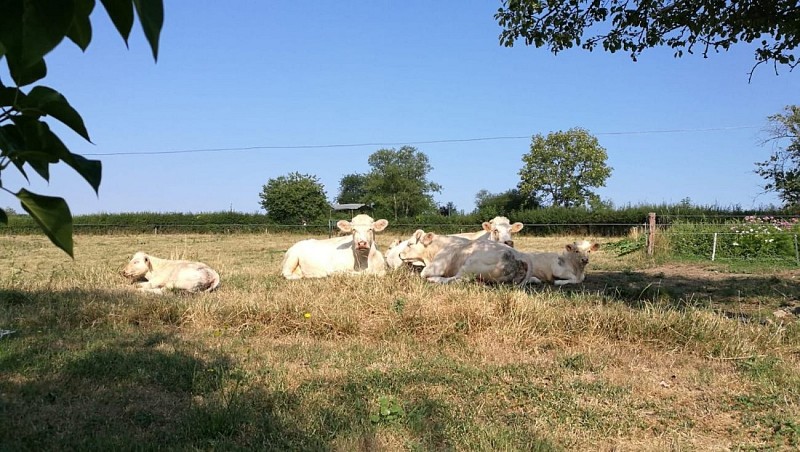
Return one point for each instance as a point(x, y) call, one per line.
point(714, 248)
point(651, 236)
point(796, 252)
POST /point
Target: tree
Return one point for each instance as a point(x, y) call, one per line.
point(493, 204)
point(782, 170)
point(398, 183)
point(561, 168)
point(635, 25)
point(352, 189)
point(29, 30)
point(294, 199)
point(448, 209)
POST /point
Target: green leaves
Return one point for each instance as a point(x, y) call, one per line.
point(51, 102)
point(294, 199)
point(633, 26)
point(561, 168)
point(151, 14)
point(398, 184)
point(52, 215)
point(80, 30)
point(29, 30)
point(121, 14)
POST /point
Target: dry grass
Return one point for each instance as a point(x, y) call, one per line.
point(643, 356)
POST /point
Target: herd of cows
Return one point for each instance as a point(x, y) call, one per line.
point(488, 256)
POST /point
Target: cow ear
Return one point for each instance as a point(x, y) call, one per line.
point(570, 247)
point(418, 235)
point(147, 261)
point(516, 227)
point(344, 226)
point(380, 225)
point(427, 239)
point(595, 247)
point(487, 226)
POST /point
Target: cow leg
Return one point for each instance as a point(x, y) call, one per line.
point(156, 290)
point(533, 280)
point(563, 282)
point(442, 279)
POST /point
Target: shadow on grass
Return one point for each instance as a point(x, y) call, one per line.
point(744, 297)
point(70, 379)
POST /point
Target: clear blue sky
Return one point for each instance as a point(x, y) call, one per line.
point(295, 73)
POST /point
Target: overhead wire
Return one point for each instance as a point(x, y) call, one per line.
point(403, 143)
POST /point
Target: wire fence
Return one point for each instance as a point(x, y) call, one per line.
point(714, 241)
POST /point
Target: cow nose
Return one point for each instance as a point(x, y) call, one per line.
point(362, 243)
point(509, 243)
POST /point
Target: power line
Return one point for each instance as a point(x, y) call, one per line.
point(405, 143)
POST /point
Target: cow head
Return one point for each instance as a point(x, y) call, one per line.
point(138, 266)
point(580, 250)
point(414, 248)
point(393, 254)
point(500, 230)
point(363, 229)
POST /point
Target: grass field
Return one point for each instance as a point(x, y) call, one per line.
point(646, 355)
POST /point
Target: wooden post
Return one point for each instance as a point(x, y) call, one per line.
point(651, 236)
point(714, 248)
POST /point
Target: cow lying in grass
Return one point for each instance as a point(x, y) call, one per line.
point(569, 267)
point(393, 254)
point(352, 254)
point(159, 274)
point(393, 259)
point(449, 259)
point(498, 229)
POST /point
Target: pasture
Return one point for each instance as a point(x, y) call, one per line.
point(645, 355)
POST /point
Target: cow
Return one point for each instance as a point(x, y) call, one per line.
point(569, 267)
point(498, 229)
point(393, 254)
point(154, 275)
point(448, 259)
point(355, 253)
point(393, 259)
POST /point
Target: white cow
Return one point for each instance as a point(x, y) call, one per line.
point(569, 267)
point(498, 229)
point(449, 258)
point(393, 254)
point(160, 274)
point(393, 259)
point(352, 254)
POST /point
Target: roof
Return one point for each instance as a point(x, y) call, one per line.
point(353, 206)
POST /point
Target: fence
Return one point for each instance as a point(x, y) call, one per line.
point(710, 238)
point(540, 229)
point(747, 238)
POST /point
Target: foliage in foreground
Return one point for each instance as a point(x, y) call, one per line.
point(691, 26)
point(29, 30)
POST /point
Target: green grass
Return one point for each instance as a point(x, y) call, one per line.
point(642, 356)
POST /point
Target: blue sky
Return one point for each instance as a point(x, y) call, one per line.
point(299, 73)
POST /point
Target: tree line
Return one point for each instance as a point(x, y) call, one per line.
point(561, 169)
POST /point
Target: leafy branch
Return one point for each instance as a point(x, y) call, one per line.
point(29, 30)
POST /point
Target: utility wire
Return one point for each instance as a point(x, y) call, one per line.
point(349, 145)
